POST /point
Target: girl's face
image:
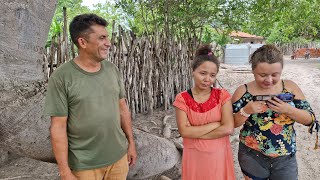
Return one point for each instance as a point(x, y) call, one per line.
point(205, 75)
point(267, 75)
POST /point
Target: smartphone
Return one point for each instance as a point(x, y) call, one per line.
point(285, 97)
point(262, 97)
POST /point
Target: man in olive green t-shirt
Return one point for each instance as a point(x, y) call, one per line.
point(91, 131)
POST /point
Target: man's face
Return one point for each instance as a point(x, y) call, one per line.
point(97, 43)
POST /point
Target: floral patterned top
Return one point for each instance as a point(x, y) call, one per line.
point(269, 132)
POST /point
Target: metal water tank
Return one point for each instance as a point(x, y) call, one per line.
point(239, 53)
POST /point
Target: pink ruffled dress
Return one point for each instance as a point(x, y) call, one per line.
point(205, 159)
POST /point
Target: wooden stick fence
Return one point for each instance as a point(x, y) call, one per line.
point(154, 68)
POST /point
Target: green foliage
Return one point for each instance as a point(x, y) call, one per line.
point(222, 39)
point(109, 12)
point(106, 10)
point(280, 21)
point(205, 20)
point(55, 30)
point(284, 20)
point(73, 8)
point(208, 35)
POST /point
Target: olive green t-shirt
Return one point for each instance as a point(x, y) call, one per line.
point(91, 103)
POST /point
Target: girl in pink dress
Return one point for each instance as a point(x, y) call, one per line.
point(205, 121)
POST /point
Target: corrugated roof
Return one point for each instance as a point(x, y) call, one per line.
point(244, 35)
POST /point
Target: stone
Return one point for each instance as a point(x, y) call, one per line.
point(178, 142)
point(155, 155)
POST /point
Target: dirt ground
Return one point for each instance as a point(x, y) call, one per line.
point(306, 73)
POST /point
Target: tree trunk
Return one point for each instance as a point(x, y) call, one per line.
point(24, 26)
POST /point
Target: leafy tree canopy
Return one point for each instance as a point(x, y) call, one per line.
point(207, 20)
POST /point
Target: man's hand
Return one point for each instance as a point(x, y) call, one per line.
point(67, 176)
point(132, 154)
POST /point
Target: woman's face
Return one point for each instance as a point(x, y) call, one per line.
point(205, 75)
point(267, 75)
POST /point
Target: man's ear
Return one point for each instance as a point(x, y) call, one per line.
point(82, 42)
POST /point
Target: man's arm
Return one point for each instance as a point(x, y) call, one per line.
point(59, 141)
point(126, 126)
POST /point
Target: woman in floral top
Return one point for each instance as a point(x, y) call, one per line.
point(267, 140)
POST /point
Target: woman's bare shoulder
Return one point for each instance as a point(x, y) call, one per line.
point(238, 93)
point(292, 87)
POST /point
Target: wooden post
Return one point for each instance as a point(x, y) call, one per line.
point(51, 55)
point(59, 51)
point(72, 50)
point(65, 36)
